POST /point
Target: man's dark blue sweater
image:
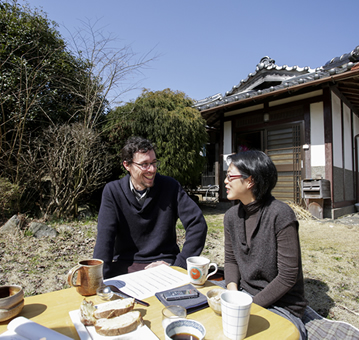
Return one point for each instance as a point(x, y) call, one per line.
point(130, 232)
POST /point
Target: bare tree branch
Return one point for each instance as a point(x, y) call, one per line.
point(111, 69)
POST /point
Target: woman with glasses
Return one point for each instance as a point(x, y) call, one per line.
point(262, 250)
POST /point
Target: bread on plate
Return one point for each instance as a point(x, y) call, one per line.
point(114, 308)
point(87, 309)
point(119, 325)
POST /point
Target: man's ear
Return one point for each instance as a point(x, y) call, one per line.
point(126, 165)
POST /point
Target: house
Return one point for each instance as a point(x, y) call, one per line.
point(306, 120)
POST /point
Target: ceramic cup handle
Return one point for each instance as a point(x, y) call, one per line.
point(214, 271)
point(70, 275)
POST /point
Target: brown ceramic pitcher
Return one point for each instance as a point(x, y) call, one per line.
point(89, 276)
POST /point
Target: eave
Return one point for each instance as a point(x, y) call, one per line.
point(347, 83)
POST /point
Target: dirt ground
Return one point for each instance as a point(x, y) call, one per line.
point(329, 251)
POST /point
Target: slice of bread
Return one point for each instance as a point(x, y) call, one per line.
point(119, 325)
point(113, 309)
point(87, 309)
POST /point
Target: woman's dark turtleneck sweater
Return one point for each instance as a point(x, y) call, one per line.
point(243, 225)
point(250, 218)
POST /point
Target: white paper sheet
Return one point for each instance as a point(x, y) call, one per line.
point(146, 283)
point(22, 328)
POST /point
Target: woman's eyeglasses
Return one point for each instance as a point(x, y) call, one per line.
point(146, 166)
point(232, 177)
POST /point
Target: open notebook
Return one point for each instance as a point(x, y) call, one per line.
point(22, 328)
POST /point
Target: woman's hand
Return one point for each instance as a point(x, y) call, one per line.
point(232, 286)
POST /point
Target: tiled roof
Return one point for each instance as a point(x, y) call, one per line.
point(269, 77)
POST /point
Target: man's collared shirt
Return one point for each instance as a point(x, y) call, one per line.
point(140, 195)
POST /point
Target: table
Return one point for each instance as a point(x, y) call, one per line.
point(52, 310)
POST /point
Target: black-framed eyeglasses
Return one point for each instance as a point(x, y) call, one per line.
point(232, 177)
point(146, 166)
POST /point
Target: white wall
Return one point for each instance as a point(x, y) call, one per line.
point(356, 132)
point(355, 125)
point(227, 142)
point(317, 149)
point(337, 131)
point(348, 147)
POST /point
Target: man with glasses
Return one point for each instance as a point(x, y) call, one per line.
point(138, 215)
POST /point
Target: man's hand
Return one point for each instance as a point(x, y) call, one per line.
point(155, 264)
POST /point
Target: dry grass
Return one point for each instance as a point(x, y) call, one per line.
point(329, 251)
point(41, 265)
point(330, 256)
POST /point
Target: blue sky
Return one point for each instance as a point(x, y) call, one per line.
point(206, 47)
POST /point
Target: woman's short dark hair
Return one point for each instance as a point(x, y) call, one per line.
point(133, 145)
point(257, 164)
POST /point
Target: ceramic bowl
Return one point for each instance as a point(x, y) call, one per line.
point(185, 326)
point(214, 299)
point(11, 301)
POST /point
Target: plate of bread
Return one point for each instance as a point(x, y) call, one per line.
point(112, 320)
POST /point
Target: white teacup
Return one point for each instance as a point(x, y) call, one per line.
point(198, 267)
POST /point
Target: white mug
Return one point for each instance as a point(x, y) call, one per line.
point(197, 269)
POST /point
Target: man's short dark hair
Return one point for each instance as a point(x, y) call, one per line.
point(257, 164)
point(133, 145)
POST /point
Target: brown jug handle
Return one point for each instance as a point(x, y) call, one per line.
point(70, 275)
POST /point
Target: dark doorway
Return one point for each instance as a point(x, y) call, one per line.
point(249, 140)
